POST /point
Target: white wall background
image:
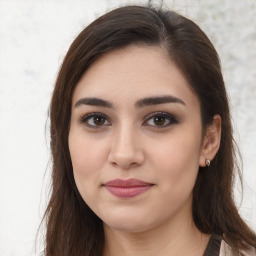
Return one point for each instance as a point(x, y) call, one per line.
point(34, 37)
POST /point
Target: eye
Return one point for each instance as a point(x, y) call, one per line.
point(160, 120)
point(95, 120)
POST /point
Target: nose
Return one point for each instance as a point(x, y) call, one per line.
point(126, 151)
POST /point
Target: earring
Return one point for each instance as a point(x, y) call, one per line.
point(207, 162)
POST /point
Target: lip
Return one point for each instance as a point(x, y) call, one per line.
point(127, 188)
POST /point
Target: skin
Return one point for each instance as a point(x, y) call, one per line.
point(130, 143)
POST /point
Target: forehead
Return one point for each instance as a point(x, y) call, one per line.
point(126, 75)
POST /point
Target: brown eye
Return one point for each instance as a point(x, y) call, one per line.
point(98, 120)
point(159, 120)
point(95, 120)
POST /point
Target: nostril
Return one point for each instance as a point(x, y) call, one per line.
point(124, 165)
point(125, 161)
point(125, 153)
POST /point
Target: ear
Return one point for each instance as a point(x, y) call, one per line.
point(211, 141)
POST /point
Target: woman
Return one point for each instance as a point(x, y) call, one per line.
point(142, 146)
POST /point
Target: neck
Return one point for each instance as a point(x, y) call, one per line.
point(179, 238)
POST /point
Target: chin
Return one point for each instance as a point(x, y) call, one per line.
point(130, 224)
point(128, 227)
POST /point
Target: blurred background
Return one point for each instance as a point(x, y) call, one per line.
point(34, 37)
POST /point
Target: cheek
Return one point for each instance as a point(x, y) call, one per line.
point(86, 153)
point(178, 159)
point(88, 158)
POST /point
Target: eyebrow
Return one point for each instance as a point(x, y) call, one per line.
point(139, 104)
point(94, 102)
point(158, 100)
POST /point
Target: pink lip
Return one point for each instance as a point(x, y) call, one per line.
point(127, 188)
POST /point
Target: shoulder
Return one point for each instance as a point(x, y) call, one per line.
point(225, 250)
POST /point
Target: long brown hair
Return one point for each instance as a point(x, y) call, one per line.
point(72, 228)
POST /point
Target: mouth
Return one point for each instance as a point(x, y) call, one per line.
point(127, 188)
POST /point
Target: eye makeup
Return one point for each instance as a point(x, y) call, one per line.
point(160, 119)
point(95, 120)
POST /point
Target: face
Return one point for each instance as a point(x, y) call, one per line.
point(135, 139)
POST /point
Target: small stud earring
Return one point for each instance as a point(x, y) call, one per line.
point(207, 162)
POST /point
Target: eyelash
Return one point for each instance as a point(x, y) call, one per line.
point(84, 119)
point(171, 119)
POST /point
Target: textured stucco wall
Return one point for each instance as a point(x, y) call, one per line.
point(34, 37)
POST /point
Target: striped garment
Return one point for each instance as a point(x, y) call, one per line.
point(218, 247)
